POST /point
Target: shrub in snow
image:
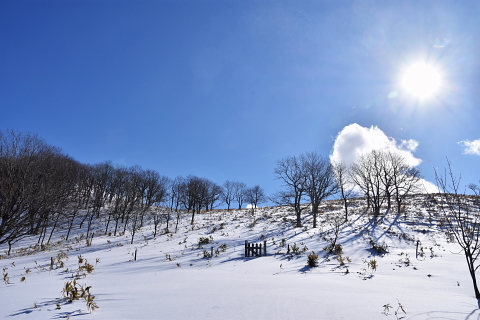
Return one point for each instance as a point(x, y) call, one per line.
point(205, 240)
point(206, 254)
point(369, 270)
point(6, 278)
point(334, 248)
point(387, 307)
point(74, 291)
point(379, 248)
point(342, 260)
point(295, 249)
point(312, 260)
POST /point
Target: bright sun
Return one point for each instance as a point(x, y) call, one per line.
point(422, 80)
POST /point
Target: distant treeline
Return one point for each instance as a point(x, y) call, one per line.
point(42, 190)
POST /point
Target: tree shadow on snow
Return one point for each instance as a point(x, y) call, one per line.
point(474, 314)
point(41, 305)
point(50, 305)
point(305, 269)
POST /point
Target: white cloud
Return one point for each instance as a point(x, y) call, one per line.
point(355, 140)
point(410, 145)
point(427, 186)
point(471, 147)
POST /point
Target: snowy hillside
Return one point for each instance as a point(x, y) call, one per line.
point(377, 273)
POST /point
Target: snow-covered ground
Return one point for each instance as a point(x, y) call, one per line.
point(171, 278)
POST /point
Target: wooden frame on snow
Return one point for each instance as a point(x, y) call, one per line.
point(255, 249)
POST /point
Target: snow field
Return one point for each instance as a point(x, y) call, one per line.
point(171, 279)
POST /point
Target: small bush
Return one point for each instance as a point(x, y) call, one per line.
point(6, 278)
point(379, 248)
point(334, 249)
point(205, 240)
point(295, 249)
point(312, 260)
point(62, 255)
point(342, 260)
point(59, 260)
point(86, 267)
point(91, 304)
point(73, 291)
point(372, 265)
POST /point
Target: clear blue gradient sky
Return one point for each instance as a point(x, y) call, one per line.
point(224, 89)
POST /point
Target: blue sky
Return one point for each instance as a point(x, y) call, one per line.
point(224, 89)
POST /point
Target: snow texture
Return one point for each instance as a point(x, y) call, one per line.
point(171, 278)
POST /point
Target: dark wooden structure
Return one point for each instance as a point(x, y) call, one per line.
point(255, 249)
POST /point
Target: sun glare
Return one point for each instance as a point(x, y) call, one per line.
point(422, 80)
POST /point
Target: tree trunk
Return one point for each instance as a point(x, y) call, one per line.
point(168, 223)
point(193, 216)
point(108, 223)
point(71, 225)
point(471, 269)
point(90, 224)
point(86, 216)
point(315, 213)
point(53, 229)
point(389, 201)
point(299, 220)
point(133, 235)
point(116, 226)
point(9, 248)
point(178, 220)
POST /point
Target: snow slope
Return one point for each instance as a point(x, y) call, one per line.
point(171, 279)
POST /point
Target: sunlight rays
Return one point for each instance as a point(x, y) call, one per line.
point(422, 80)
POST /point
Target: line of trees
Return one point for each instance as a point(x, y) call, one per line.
point(42, 190)
point(307, 180)
point(384, 177)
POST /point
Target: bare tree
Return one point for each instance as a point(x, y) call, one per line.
point(177, 189)
point(385, 170)
point(196, 193)
point(36, 183)
point(153, 189)
point(80, 196)
point(119, 196)
point(63, 178)
point(405, 178)
point(461, 216)
point(320, 182)
point(159, 215)
point(239, 192)
point(228, 193)
point(345, 184)
point(367, 174)
point(385, 176)
point(214, 196)
point(255, 196)
point(290, 171)
point(335, 221)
